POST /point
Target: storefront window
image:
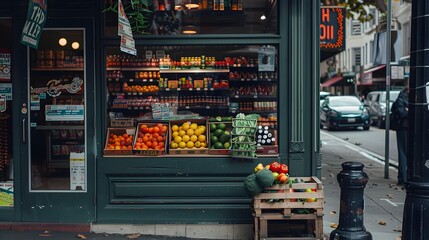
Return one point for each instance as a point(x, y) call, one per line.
point(168, 85)
point(57, 112)
point(6, 154)
point(187, 17)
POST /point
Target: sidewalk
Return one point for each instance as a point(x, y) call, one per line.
point(383, 199)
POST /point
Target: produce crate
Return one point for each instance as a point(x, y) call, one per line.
point(219, 135)
point(111, 132)
point(203, 149)
point(290, 203)
point(154, 132)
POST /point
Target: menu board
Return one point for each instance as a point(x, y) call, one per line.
point(77, 171)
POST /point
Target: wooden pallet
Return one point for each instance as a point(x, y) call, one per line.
point(290, 203)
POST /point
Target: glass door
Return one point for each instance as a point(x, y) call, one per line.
point(58, 160)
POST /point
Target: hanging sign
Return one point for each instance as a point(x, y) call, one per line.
point(36, 18)
point(5, 67)
point(77, 171)
point(124, 30)
point(332, 32)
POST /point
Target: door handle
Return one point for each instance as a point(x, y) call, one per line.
point(24, 137)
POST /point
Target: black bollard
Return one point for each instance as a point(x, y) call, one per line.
point(352, 180)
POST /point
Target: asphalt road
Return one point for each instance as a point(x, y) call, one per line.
point(373, 140)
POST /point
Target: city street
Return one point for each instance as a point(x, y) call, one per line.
point(372, 141)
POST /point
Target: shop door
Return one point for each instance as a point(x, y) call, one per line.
point(58, 129)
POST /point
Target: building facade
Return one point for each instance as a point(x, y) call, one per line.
point(68, 95)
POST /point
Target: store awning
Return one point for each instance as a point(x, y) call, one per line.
point(332, 81)
point(374, 69)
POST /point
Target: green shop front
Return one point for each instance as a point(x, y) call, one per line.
point(91, 125)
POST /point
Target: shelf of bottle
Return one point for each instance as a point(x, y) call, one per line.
point(192, 89)
point(216, 107)
point(133, 80)
point(255, 96)
point(252, 79)
point(253, 111)
point(132, 68)
point(224, 70)
point(70, 69)
point(131, 94)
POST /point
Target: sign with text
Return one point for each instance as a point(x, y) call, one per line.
point(6, 194)
point(5, 67)
point(124, 30)
point(36, 18)
point(6, 90)
point(332, 28)
point(64, 112)
point(77, 171)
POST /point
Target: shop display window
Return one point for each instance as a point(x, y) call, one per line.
point(194, 92)
point(6, 135)
point(187, 17)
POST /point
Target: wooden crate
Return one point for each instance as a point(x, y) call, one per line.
point(118, 131)
point(294, 202)
point(151, 151)
point(187, 151)
point(221, 151)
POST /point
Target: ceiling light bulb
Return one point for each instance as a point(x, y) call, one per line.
point(75, 45)
point(62, 42)
point(263, 17)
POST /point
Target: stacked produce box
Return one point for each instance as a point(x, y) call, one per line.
point(243, 136)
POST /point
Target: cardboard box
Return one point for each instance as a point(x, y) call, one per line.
point(198, 84)
point(173, 83)
point(118, 132)
point(147, 132)
point(194, 150)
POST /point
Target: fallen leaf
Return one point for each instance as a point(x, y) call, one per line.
point(333, 225)
point(389, 195)
point(382, 223)
point(81, 236)
point(346, 139)
point(106, 235)
point(374, 184)
point(358, 144)
point(331, 175)
point(397, 230)
point(46, 232)
point(332, 212)
point(133, 236)
point(398, 238)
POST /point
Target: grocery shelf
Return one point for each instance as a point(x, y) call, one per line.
point(194, 70)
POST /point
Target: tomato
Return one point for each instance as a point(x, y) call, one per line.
point(283, 168)
point(282, 178)
point(275, 167)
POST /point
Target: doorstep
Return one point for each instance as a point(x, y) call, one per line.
point(197, 231)
point(38, 226)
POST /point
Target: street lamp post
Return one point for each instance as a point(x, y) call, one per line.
point(416, 209)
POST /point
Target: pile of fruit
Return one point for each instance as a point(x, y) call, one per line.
point(139, 89)
point(220, 135)
point(188, 135)
point(151, 136)
point(119, 141)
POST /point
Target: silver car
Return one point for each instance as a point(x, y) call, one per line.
point(376, 105)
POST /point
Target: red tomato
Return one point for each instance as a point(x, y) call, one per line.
point(283, 168)
point(275, 167)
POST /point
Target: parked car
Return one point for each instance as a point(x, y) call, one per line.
point(322, 96)
point(376, 104)
point(343, 112)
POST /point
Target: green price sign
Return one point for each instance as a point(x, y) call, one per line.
point(36, 18)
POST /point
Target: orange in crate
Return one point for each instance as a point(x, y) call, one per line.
point(151, 138)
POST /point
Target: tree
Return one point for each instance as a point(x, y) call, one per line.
point(358, 9)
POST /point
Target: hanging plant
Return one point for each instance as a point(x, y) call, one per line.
point(139, 13)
